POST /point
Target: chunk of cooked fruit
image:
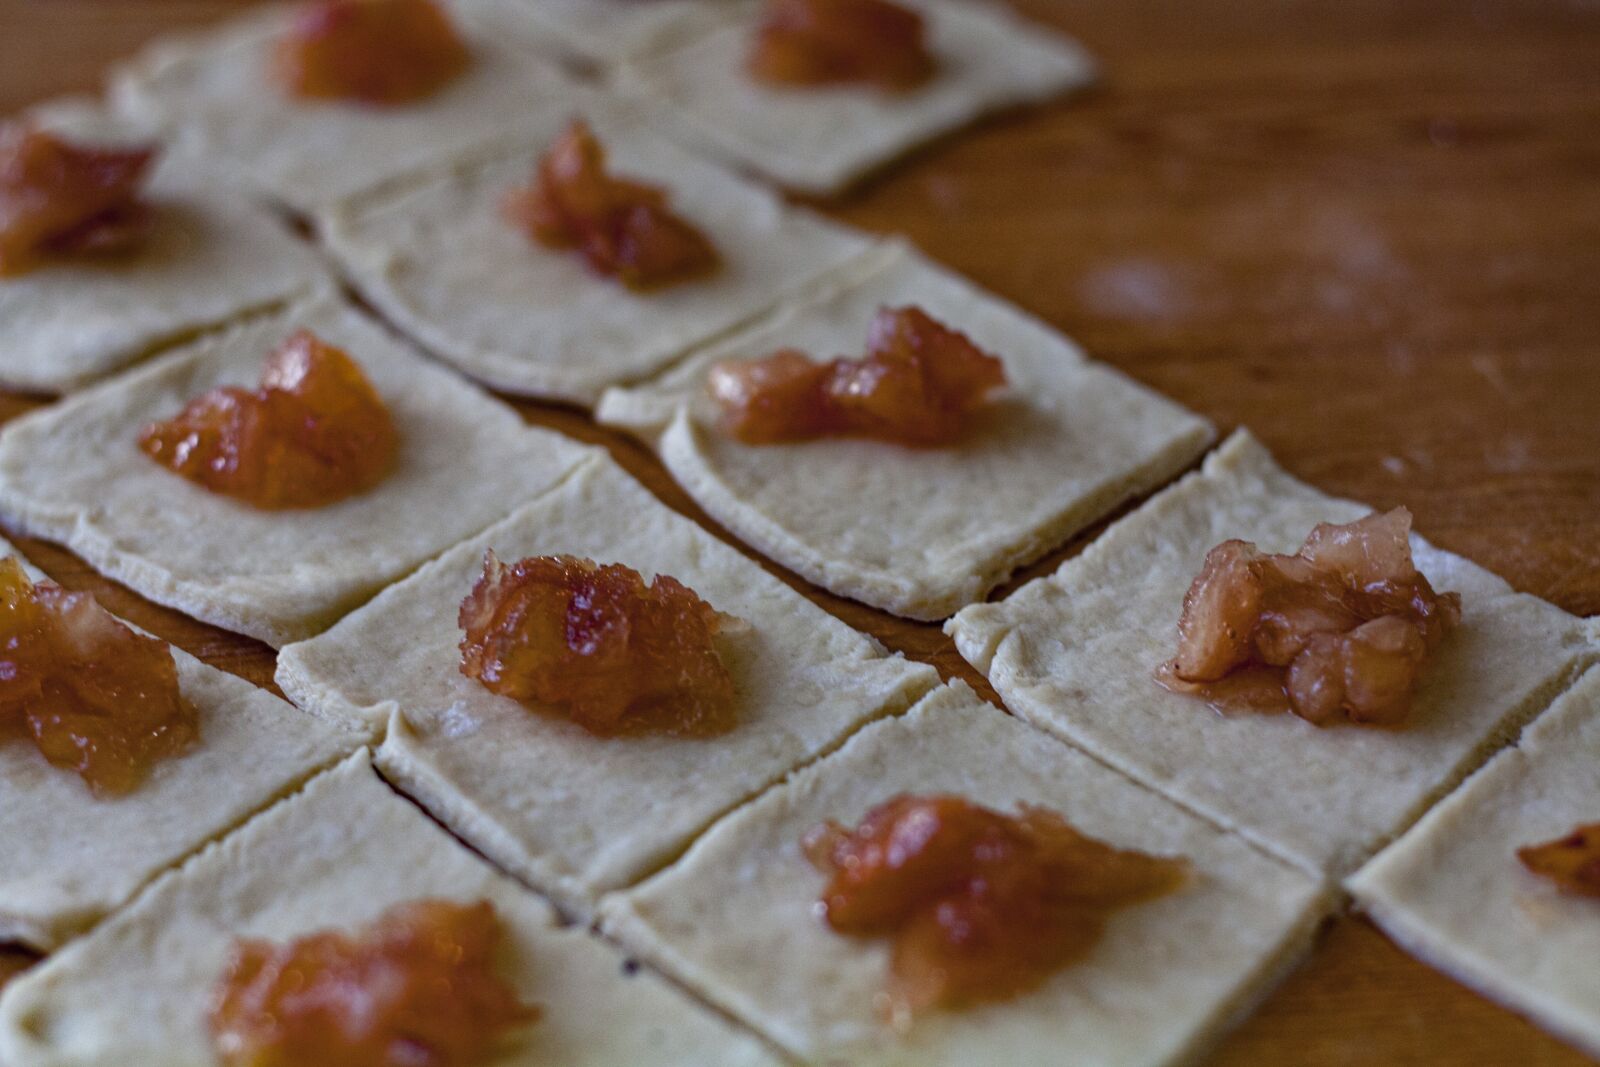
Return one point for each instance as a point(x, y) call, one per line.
point(417, 988)
point(94, 696)
point(313, 433)
point(829, 42)
point(379, 52)
point(980, 905)
point(60, 199)
point(598, 646)
point(919, 384)
point(1341, 629)
point(623, 229)
point(1571, 862)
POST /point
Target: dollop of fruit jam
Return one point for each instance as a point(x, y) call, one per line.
point(623, 229)
point(980, 905)
point(380, 52)
point(828, 42)
point(313, 433)
point(1571, 862)
point(94, 696)
point(1340, 629)
point(60, 199)
point(598, 646)
point(417, 988)
point(920, 384)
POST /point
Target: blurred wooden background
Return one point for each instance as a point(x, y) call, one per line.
point(1369, 229)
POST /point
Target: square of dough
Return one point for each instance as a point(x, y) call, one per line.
point(442, 261)
point(821, 140)
point(211, 256)
point(215, 94)
point(1075, 652)
point(609, 31)
point(735, 919)
point(74, 473)
point(919, 532)
point(1453, 893)
point(571, 813)
point(71, 858)
point(136, 991)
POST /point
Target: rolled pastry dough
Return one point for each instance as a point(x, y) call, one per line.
point(1452, 892)
point(440, 260)
point(214, 92)
point(735, 920)
point(74, 473)
point(919, 532)
point(70, 858)
point(573, 814)
point(820, 140)
point(135, 992)
point(609, 31)
point(1074, 653)
point(211, 256)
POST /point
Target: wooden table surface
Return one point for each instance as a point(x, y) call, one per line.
point(1369, 229)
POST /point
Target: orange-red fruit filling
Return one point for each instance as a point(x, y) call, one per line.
point(313, 433)
point(920, 384)
point(1341, 629)
point(623, 229)
point(59, 199)
point(598, 646)
point(825, 42)
point(1571, 862)
point(381, 52)
point(417, 988)
point(980, 905)
point(93, 695)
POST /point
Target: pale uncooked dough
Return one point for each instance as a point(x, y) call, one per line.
point(211, 257)
point(135, 992)
point(919, 532)
point(821, 140)
point(1074, 653)
point(609, 31)
point(440, 259)
point(571, 813)
point(214, 92)
point(74, 473)
point(1452, 891)
point(72, 858)
point(735, 918)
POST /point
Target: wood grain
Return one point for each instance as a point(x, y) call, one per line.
point(1370, 230)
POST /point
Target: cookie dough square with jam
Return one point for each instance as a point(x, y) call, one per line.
point(218, 96)
point(572, 813)
point(208, 256)
point(137, 991)
point(73, 857)
point(918, 531)
point(736, 919)
point(1452, 892)
point(821, 139)
point(1076, 653)
point(442, 260)
point(75, 473)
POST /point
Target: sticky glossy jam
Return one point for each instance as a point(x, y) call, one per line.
point(1571, 862)
point(59, 199)
point(829, 42)
point(920, 384)
point(94, 696)
point(597, 645)
point(623, 229)
point(313, 433)
point(980, 905)
point(378, 52)
point(1339, 630)
point(417, 988)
